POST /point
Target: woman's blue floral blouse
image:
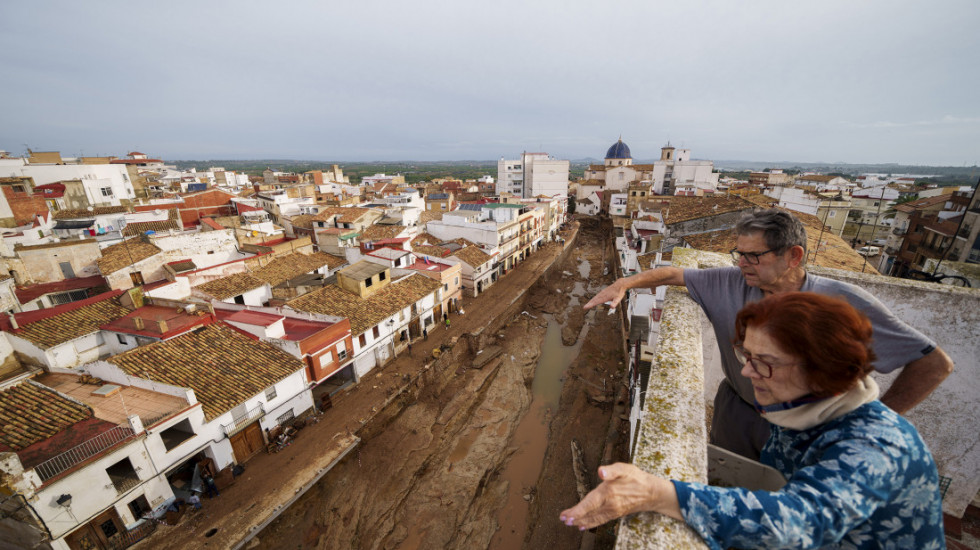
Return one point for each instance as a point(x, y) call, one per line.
point(863, 480)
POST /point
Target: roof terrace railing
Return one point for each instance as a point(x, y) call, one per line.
point(80, 453)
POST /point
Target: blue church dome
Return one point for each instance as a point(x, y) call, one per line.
point(619, 150)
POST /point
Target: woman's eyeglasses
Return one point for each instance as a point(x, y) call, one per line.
point(762, 368)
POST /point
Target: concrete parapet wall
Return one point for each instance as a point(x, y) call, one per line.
point(672, 441)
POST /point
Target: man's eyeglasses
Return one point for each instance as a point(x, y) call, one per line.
point(751, 257)
point(762, 368)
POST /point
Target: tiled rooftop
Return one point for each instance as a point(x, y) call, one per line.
point(682, 209)
point(293, 265)
point(74, 321)
point(473, 255)
point(379, 232)
point(125, 254)
point(230, 286)
point(150, 406)
point(344, 214)
point(30, 412)
point(172, 222)
point(303, 221)
point(429, 216)
point(72, 214)
point(223, 366)
point(366, 313)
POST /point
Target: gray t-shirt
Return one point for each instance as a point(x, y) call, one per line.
point(722, 292)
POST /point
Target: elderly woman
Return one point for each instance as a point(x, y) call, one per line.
point(859, 475)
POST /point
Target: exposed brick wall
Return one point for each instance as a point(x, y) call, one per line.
point(24, 204)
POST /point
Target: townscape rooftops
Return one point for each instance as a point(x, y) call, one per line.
point(429, 216)
point(473, 255)
point(31, 412)
point(925, 202)
point(223, 366)
point(125, 254)
point(366, 313)
point(172, 222)
point(72, 214)
point(682, 209)
point(303, 221)
point(380, 232)
point(343, 214)
point(71, 321)
point(230, 286)
point(293, 265)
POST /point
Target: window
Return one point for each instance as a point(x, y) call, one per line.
point(445, 287)
point(285, 417)
point(17, 188)
point(381, 276)
point(341, 348)
point(122, 339)
point(456, 280)
point(831, 214)
point(362, 339)
point(123, 475)
point(368, 282)
point(106, 191)
point(376, 332)
point(177, 434)
point(270, 393)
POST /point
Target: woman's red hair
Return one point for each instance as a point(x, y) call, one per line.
point(830, 338)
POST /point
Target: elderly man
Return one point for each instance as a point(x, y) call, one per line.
point(770, 251)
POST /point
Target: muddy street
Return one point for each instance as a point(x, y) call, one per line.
point(482, 459)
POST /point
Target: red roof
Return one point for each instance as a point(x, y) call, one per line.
point(28, 317)
point(296, 329)
point(28, 293)
point(158, 322)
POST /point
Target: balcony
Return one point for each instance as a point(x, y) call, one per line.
point(80, 453)
point(239, 423)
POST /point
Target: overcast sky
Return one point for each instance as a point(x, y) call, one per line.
point(828, 80)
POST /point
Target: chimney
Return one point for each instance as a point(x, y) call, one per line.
point(13, 321)
point(138, 321)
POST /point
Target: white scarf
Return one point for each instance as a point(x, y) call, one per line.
point(807, 416)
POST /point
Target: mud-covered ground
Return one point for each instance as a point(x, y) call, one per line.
point(457, 468)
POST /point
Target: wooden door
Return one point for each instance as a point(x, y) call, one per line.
point(96, 534)
point(247, 442)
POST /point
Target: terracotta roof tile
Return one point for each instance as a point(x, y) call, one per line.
point(71, 214)
point(230, 286)
point(75, 323)
point(124, 254)
point(682, 209)
point(30, 412)
point(344, 214)
point(293, 265)
point(379, 232)
point(365, 313)
point(223, 366)
point(172, 222)
point(473, 255)
point(429, 216)
point(303, 221)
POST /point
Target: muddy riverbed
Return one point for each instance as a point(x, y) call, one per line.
point(484, 461)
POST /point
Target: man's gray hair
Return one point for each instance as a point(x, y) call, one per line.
point(780, 229)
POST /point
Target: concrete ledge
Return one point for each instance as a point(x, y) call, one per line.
point(673, 441)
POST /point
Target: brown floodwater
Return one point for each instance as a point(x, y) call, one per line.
point(531, 436)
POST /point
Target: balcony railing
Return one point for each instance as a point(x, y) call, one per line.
point(239, 423)
point(123, 484)
point(80, 453)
